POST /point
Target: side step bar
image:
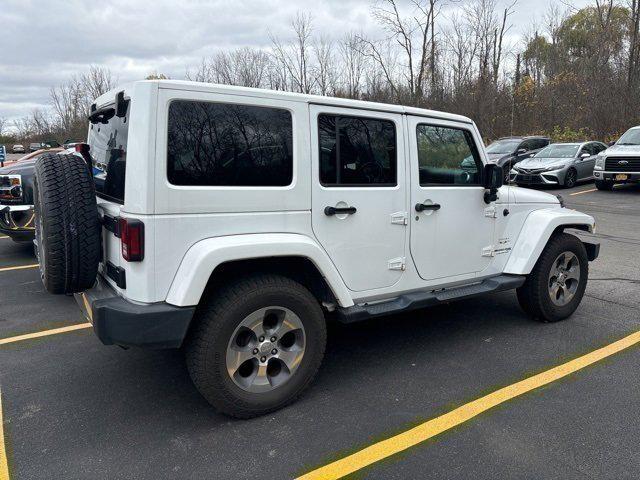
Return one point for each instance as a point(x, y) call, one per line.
point(416, 300)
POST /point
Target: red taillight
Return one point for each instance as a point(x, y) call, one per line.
point(82, 148)
point(132, 239)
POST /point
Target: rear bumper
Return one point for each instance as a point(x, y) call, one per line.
point(17, 221)
point(117, 321)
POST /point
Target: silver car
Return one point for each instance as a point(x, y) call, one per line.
point(562, 164)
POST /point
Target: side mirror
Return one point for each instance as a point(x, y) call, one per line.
point(585, 155)
point(521, 151)
point(611, 144)
point(493, 176)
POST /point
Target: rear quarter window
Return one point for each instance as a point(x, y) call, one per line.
point(219, 144)
point(108, 142)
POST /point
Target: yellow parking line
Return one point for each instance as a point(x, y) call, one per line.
point(18, 267)
point(4, 466)
point(584, 191)
point(44, 333)
point(410, 438)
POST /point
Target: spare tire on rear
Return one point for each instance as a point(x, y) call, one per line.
point(67, 223)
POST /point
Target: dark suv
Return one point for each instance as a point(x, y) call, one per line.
point(508, 151)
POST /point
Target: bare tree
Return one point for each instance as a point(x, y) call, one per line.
point(3, 124)
point(416, 40)
point(245, 67)
point(353, 63)
point(69, 102)
point(463, 46)
point(295, 58)
point(22, 127)
point(633, 69)
point(323, 72)
point(96, 81)
point(498, 39)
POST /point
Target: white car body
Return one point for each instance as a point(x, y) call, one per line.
point(384, 251)
point(620, 163)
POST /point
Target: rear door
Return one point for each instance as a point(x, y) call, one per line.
point(452, 228)
point(359, 193)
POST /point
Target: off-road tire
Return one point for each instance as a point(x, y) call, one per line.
point(604, 185)
point(67, 223)
point(534, 297)
point(214, 324)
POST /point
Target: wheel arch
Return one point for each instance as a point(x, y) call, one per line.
point(538, 228)
point(212, 261)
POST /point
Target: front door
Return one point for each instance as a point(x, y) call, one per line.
point(452, 227)
point(584, 165)
point(359, 193)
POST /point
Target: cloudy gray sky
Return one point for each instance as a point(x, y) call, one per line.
point(44, 42)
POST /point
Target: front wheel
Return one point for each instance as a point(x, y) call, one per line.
point(554, 288)
point(604, 185)
point(570, 178)
point(256, 345)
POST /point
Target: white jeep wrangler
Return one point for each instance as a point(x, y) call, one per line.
point(230, 221)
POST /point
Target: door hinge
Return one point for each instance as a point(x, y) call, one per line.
point(400, 218)
point(397, 264)
point(489, 251)
point(491, 212)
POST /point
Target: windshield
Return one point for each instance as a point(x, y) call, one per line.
point(631, 137)
point(503, 146)
point(558, 151)
point(108, 152)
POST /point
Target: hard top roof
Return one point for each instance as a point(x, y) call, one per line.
point(290, 96)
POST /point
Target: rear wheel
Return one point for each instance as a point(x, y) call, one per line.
point(604, 185)
point(554, 288)
point(256, 345)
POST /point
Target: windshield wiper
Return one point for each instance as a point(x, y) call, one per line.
point(102, 115)
point(627, 143)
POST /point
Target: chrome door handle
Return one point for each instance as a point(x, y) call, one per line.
point(420, 207)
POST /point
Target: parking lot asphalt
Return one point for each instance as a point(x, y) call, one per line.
point(73, 408)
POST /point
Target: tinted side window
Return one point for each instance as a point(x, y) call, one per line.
point(597, 148)
point(528, 145)
point(588, 148)
point(447, 156)
point(541, 144)
point(357, 151)
point(219, 144)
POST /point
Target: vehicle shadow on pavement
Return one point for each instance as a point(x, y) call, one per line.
point(95, 403)
point(14, 253)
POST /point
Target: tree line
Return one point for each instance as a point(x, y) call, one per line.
point(574, 74)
